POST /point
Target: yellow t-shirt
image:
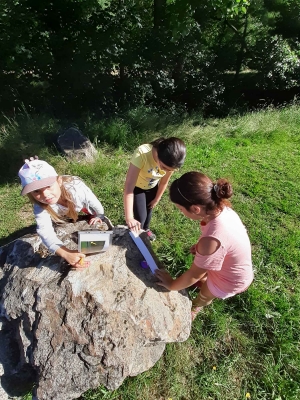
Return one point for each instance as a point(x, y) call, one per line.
point(150, 174)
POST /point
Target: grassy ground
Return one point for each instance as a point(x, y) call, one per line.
point(247, 345)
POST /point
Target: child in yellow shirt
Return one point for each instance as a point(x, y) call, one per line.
point(147, 178)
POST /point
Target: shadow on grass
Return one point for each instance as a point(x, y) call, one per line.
point(18, 234)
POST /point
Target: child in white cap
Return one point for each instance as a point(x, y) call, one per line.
point(55, 197)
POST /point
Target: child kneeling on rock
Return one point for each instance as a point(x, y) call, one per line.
point(55, 197)
point(222, 265)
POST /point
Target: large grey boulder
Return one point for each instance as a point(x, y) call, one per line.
point(76, 146)
point(72, 330)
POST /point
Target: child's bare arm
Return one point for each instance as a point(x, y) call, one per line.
point(131, 178)
point(161, 189)
point(73, 257)
point(185, 280)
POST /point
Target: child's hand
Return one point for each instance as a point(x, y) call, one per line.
point(152, 203)
point(95, 220)
point(133, 225)
point(193, 249)
point(165, 278)
point(73, 257)
point(77, 260)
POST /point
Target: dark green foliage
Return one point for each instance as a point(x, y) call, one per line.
point(70, 57)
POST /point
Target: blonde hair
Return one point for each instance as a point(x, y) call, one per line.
point(65, 196)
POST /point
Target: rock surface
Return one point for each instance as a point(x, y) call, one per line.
point(76, 146)
point(70, 330)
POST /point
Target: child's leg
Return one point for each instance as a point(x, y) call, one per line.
point(148, 218)
point(150, 195)
point(199, 283)
point(140, 206)
point(204, 298)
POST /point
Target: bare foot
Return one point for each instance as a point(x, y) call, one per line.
point(195, 311)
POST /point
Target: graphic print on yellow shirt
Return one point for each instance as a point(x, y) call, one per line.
point(150, 173)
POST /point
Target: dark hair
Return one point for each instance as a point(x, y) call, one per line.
point(195, 188)
point(170, 151)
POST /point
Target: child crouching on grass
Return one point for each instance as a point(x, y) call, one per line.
point(222, 265)
point(54, 198)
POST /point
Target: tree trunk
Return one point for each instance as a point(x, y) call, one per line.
point(122, 84)
point(159, 13)
point(241, 53)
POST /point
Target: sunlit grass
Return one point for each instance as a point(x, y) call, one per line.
point(246, 344)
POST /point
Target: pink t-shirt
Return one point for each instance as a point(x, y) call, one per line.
point(229, 269)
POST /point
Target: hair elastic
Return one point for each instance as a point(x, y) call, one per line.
point(216, 189)
point(182, 194)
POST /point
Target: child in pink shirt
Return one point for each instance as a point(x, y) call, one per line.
point(222, 263)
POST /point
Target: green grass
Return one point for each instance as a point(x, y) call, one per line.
point(246, 344)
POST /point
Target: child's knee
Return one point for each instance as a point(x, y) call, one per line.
point(204, 298)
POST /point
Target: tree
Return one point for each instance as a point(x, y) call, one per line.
point(70, 56)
